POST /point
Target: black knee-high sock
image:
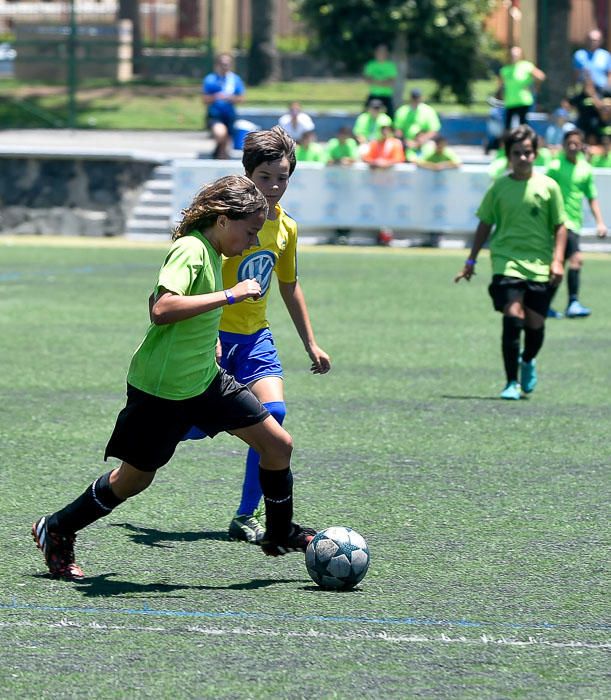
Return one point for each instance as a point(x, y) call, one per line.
point(94, 503)
point(533, 340)
point(512, 327)
point(277, 487)
point(572, 283)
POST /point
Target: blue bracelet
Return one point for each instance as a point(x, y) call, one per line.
point(229, 296)
point(470, 261)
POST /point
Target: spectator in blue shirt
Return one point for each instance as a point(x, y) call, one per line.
point(222, 90)
point(594, 62)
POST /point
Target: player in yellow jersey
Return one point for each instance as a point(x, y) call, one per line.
point(248, 351)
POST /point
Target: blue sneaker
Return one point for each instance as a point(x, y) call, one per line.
point(528, 375)
point(512, 392)
point(576, 310)
point(552, 313)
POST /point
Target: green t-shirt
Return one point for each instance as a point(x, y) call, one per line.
point(314, 153)
point(412, 122)
point(517, 79)
point(369, 127)
point(525, 214)
point(380, 70)
point(601, 160)
point(177, 360)
point(430, 155)
point(544, 157)
point(336, 150)
point(576, 181)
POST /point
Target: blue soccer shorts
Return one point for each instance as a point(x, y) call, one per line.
point(250, 357)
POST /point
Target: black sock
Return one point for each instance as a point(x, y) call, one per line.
point(572, 281)
point(277, 487)
point(512, 327)
point(94, 503)
point(533, 340)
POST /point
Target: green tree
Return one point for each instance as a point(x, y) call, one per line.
point(450, 33)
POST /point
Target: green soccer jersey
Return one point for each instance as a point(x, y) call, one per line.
point(177, 360)
point(336, 150)
point(576, 181)
point(381, 70)
point(431, 155)
point(525, 214)
point(517, 81)
point(412, 122)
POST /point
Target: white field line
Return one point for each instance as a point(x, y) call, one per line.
point(376, 637)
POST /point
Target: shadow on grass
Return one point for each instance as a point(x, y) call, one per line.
point(478, 398)
point(105, 586)
point(158, 538)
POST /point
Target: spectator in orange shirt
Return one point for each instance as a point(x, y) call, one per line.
point(385, 151)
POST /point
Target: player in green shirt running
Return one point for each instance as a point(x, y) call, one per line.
point(526, 249)
point(575, 176)
point(174, 381)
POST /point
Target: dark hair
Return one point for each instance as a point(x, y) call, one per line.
point(572, 132)
point(519, 134)
point(267, 146)
point(233, 196)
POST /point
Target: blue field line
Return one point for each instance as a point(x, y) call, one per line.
point(400, 621)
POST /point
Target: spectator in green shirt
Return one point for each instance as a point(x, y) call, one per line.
point(437, 156)
point(368, 125)
point(525, 215)
point(308, 150)
point(381, 74)
point(416, 123)
point(576, 179)
point(342, 149)
point(601, 157)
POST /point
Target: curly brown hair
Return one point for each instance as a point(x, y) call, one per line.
point(234, 196)
point(267, 146)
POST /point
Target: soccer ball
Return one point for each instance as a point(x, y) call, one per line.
point(337, 558)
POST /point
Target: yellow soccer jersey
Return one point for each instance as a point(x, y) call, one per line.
point(277, 250)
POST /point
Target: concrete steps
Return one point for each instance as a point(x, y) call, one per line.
point(151, 217)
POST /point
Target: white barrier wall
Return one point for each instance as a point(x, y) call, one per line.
point(404, 198)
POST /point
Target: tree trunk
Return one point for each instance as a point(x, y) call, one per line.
point(399, 56)
point(188, 18)
point(554, 55)
point(130, 9)
point(263, 59)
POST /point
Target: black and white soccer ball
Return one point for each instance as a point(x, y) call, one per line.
point(337, 558)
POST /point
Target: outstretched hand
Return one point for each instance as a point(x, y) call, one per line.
point(467, 272)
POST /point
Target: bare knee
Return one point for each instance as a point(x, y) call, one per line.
point(276, 452)
point(127, 481)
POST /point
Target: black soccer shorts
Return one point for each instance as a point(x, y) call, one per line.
point(505, 290)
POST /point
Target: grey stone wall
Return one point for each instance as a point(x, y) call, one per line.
point(69, 196)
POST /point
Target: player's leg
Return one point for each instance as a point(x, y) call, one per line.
point(254, 362)
point(146, 433)
point(508, 298)
point(574, 307)
point(220, 134)
point(245, 525)
point(274, 447)
point(536, 303)
point(55, 534)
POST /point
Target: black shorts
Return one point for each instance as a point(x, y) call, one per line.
point(504, 290)
point(572, 244)
point(149, 428)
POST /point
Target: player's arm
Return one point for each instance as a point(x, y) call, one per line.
point(557, 266)
point(294, 300)
point(601, 227)
point(170, 307)
point(481, 236)
point(538, 75)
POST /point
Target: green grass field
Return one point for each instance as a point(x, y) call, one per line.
point(487, 520)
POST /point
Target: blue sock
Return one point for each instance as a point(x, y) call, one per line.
point(251, 488)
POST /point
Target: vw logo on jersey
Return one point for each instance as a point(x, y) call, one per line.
point(259, 265)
